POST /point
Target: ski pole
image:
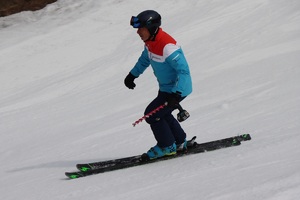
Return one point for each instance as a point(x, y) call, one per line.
point(149, 114)
point(181, 116)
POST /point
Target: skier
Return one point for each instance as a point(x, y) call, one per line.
point(171, 69)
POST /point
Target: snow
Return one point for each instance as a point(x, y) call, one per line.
point(63, 100)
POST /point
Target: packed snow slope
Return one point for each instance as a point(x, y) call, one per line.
point(63, 100)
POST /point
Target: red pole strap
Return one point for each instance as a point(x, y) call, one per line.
point(149, 114)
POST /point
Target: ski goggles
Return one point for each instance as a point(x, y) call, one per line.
point(135, 22)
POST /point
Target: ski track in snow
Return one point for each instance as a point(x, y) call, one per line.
point(63, 100)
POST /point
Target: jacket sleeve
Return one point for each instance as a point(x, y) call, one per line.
point(141, 65)
point(178, 62)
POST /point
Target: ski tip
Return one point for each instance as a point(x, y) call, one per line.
point(72, 175)
point(245, 137)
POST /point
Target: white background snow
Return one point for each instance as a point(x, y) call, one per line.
point(63, 101)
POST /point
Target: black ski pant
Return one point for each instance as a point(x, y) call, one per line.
point(165, 127)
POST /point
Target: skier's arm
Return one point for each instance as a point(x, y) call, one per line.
point(141, 65)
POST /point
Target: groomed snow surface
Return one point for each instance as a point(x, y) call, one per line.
point(63, 100)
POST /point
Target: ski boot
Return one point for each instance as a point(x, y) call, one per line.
point(158, 152)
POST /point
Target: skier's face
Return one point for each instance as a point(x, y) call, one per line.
point(143, 33)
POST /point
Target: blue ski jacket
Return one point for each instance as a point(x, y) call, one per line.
point(168, 63)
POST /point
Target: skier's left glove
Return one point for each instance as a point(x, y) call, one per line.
point(173, 100)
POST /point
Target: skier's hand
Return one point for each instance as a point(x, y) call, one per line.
point(173, 100)
point(129, 81)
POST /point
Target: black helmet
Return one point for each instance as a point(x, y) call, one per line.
point(149, 19)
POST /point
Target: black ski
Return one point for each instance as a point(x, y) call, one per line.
point(193, 148)
point(109, 163)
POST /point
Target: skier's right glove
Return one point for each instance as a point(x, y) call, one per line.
point(173, 100)
point(129, 81)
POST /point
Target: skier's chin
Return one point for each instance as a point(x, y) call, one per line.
point(143, 38)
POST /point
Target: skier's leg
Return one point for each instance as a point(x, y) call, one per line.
point(176, 129)
point(162, 133)
point(159, 126)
